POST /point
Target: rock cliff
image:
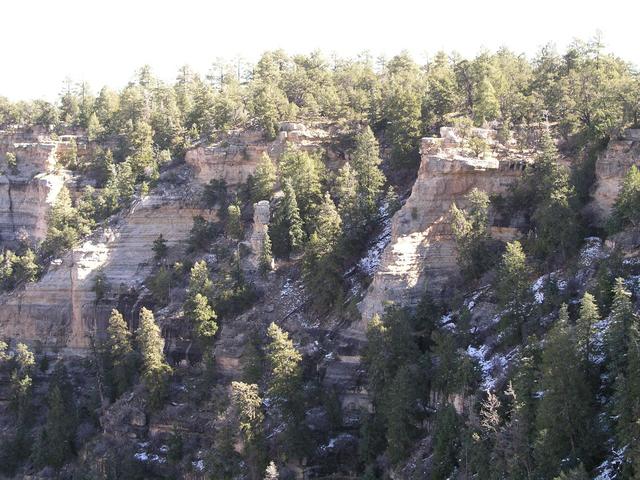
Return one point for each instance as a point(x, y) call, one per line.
point(611, 167)
point(61, 310)
point(234, 157)
point(28, 189)
point(421, 254)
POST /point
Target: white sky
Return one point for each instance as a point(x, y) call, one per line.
point(104, 42)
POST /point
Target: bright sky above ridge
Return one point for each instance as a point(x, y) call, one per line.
point(104, 42)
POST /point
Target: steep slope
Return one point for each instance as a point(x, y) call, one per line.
point(611, 167)
point(28, 190)
point(421, 253)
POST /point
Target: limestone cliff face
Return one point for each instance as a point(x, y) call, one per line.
point(60, 310)
point(611, 167)
point(27, 191)
point(236, 156)
point(422, 254)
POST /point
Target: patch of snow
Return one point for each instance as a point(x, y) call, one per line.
point(591, 252)
point(287, 289)
point(141, 456)
point(198, 465)
point(370, 262)
point(537, 287)
point(491, 366)
point(608, 470)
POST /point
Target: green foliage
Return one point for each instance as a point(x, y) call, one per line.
point(202, 233)
point(55, 444)
point(12, 162)
point(586, 328)
point(564, 416)
point(446, 443)
point(478, 146)
point(265, 262)
point(286, 230)
point(155, 370)
point(512, 288)
point(120, 361)
point(264, 179)
point(303, 171)
point(160, 248)
point(322, 270)
point(160, 285)
point(471, 231)
point(18, 269)
point(233, 225)
point(285, 373)
point(247, 406)
point(627, 204)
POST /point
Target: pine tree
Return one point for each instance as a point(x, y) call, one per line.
point(585, 327)
point(119, 352)
point(321, 267)
point(370, 179)
point(233, 225)
point(286, 230)
point(264, 179)
point(155, 370)
point(303, 172)
point(247, 409)
point(284, 366)
point(265, 262)
point(199, 280)
point(485, 105)
point(271, 473)
point(513, 288)
point(622, 317)
point(56, 443)
point(564, 416)
point(401, 415)
point(160, 248)
point(446, 443)
point(626, 207)
point(471, 231)
point(202, 315)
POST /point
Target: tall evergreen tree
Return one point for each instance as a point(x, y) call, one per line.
point(155, 370)
point(264, 179)
point(119, 352)
point(513, 288)
point(564, 418)
point(370, 179)
point(321, 268)
point(286, 229)
point(585, 327)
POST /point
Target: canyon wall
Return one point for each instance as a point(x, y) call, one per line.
point(27, 190)
point(422, 253)
point(611, 167)
point(60, 310)
point(234, 157)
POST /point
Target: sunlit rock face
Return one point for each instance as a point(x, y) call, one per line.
point(235, 157)
point(61, 310)
point(611, 167)
point(422, 253)
point(27, 190)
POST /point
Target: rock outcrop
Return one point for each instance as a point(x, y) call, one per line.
point(422, 254)
point(28, 189)
point(60, 310)
point(236, 155)
point(611, 167)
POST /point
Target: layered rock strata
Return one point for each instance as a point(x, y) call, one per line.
point(28, 189)
point(611, 167)
point(61, 310)
point(235, 157)
point(421, 255)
